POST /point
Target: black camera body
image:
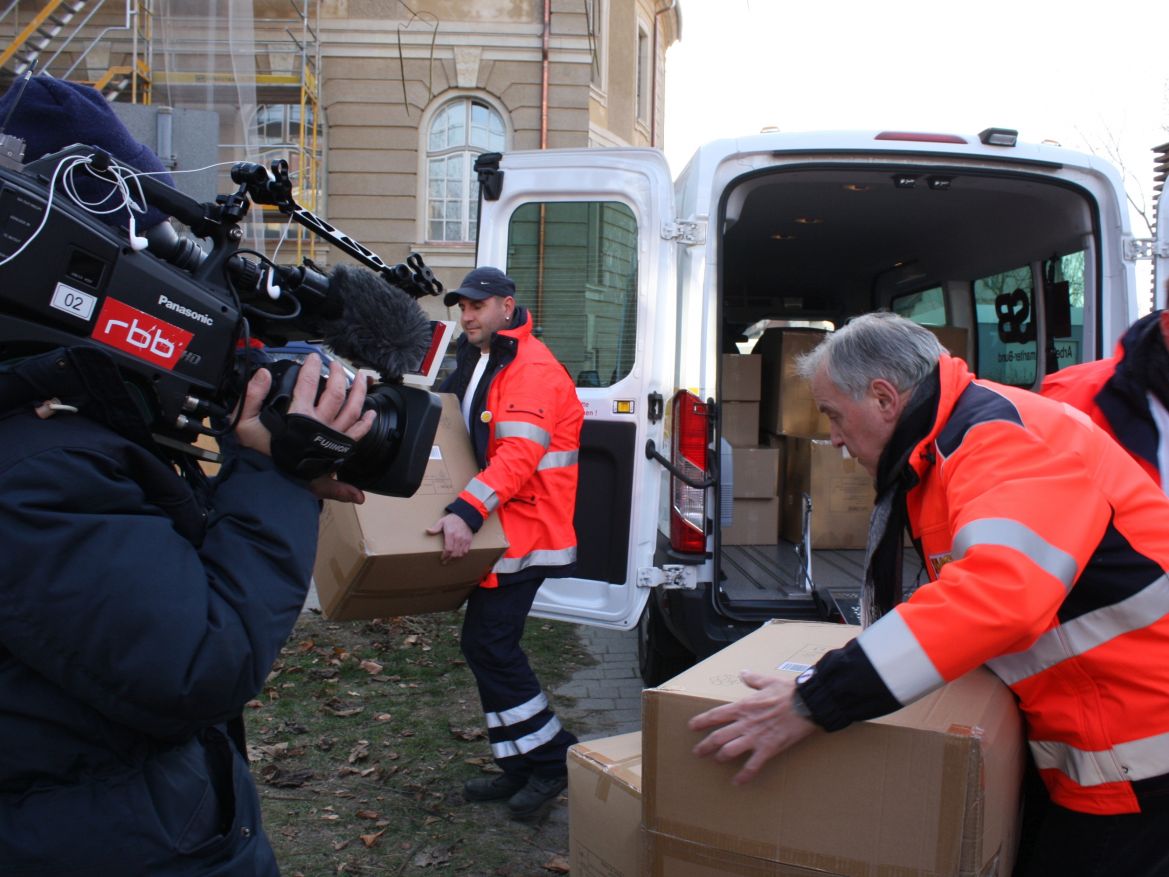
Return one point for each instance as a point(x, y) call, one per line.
point(179, 320)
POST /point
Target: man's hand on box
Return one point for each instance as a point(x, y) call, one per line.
point(762, 724)
point(456, 536)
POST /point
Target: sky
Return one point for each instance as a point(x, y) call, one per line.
point(1089, 74)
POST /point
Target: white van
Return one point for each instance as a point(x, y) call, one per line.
point(640, 284)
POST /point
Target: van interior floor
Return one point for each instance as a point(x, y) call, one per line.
point(754, 576)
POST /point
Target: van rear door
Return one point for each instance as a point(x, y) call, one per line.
point(584, 236)
point(1161, 239)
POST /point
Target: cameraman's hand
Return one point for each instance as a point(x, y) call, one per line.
point(456, 536)
point(335, 409)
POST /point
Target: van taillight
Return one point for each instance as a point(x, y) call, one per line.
point(689, 446)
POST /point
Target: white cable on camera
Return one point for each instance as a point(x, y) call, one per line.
point(66, 166)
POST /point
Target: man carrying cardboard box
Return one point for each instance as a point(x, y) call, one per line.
point(1047, 553)
point(525, 420)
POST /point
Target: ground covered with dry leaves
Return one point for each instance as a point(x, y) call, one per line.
point(362, 738)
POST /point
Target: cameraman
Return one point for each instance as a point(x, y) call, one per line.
point(143, 608)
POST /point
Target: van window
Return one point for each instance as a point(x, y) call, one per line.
point(1065, 307)
point(927, 307)
point(1006, 327)
point(575, 269)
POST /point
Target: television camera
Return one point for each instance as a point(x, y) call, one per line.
point(182, 321)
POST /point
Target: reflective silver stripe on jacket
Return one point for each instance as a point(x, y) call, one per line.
point(1124, 762)
point(543, 557)
point(1085, 633)
point(899, 659)
point(483, 492)
point(523, 429)
point(508, 748)
point(517, 714)
point(557, 459)
point(1009, 533)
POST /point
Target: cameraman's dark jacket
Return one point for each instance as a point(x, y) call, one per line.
point(138, 619)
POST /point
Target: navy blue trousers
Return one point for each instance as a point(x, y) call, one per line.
point(525, 735)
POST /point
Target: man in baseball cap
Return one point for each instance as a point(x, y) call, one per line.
point(481, 284)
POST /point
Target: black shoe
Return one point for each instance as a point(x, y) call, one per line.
point(494, 788)
point(529, 800)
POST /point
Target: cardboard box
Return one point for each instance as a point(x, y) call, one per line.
point(376, 560)
point(756, 472)
point(740, 378)
point(740, 423)
point(755, 522)
point(786, 404)
point(604, 807)
point(842, 494)
point(932, 789)
point(955, 339)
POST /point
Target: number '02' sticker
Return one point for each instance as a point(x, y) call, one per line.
point(74, 302)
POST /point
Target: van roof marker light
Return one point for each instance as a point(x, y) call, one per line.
point(999, 136)
point(920, 137)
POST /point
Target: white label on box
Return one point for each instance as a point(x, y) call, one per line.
point(793, 666)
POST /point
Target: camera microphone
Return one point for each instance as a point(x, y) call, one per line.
point(380, 326)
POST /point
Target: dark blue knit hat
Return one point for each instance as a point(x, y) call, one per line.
point(54, 113)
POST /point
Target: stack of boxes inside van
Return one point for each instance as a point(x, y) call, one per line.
point(782, 455)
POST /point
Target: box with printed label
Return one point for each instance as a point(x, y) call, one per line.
point(376, 560)
point(604, 807)
point(841, 492)
point(930, 790)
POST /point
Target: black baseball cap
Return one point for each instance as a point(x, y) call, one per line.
point(480, 284)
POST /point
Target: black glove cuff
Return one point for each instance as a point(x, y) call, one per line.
point(307, 448)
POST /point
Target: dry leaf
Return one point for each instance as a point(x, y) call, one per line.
point(359, 752)
point(367, 814)
point(382, 717)
point(472, 733)
point(370, 839)
point(557, 865)
point(371, 667)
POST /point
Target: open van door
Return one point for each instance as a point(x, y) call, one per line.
point(585, 234)
point(1161, 240)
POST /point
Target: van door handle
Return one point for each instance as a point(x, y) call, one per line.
point(651, 453)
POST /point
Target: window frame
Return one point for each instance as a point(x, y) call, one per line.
point(468, 98)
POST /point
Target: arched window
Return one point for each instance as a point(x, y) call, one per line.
point(459, 131)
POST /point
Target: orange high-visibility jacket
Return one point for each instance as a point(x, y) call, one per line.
point(533, 420)
point(1088, 386)
point(1047, 550)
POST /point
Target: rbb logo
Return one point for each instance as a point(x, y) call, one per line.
point(140, 334)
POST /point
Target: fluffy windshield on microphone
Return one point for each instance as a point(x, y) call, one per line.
point(380, 327)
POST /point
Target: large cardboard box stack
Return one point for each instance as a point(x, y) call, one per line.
point(757, 469)
point(930, 790)
point(739, 399)
point(841, 491)
point(376, 560)
point(786, 406)
point(756, 510)
point(604, 807)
